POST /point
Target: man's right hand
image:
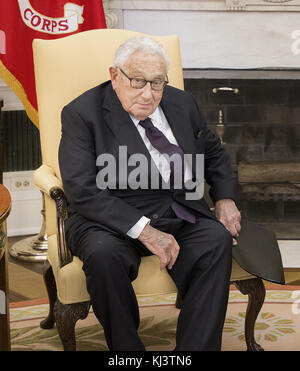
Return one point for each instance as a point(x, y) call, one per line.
point(161, 244)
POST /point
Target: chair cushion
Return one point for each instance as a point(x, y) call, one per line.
point(71, 282)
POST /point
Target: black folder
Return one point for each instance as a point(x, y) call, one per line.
point(257, 252)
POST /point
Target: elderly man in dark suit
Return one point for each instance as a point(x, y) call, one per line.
point(112, 225)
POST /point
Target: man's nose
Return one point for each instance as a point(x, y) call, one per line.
point(147, 90)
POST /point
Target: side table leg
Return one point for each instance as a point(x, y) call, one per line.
point(4, 305)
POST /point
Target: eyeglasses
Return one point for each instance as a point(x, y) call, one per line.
point(138, 83)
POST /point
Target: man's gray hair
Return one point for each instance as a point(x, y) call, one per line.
point(139, 44)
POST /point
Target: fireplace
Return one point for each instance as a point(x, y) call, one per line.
point(257, 116)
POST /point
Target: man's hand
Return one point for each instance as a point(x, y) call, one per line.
point(228, 214)
point(161, 244)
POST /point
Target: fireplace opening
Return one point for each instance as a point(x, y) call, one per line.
point(258, 122)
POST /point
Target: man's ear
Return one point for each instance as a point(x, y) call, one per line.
point(113, 71)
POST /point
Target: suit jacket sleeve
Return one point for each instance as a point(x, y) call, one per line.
point(218, 172)
point(77, 162)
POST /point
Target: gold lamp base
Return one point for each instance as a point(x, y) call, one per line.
point(33, 249)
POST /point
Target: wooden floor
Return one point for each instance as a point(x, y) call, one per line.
point(25, 278)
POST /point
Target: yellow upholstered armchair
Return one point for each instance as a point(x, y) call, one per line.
point(65, 68)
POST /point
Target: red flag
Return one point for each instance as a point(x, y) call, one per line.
point(21, 21)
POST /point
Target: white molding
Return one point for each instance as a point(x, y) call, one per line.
point(167, 4)
point(204, 5)
point(263, 5)
point(114, 18)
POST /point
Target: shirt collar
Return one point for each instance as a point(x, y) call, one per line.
point(155, 116)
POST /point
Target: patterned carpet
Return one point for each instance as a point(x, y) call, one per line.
point(277, 327)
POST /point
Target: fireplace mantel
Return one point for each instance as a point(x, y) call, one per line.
point(228, 34)
point(112, 6)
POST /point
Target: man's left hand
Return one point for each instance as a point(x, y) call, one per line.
point(229, 215)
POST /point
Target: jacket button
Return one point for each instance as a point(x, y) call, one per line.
point(155, 216)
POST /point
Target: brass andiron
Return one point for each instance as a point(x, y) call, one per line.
point(220, 128)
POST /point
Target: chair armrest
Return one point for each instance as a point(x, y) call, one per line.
point(45, 179)
point(64, 253)
point(48, 183)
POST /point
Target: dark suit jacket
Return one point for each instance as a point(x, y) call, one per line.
point(96, 123)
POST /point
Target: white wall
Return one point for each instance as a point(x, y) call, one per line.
point(25, 217)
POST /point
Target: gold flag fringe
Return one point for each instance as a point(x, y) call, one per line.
point(17, 88)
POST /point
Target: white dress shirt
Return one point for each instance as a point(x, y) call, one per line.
point(160, 122)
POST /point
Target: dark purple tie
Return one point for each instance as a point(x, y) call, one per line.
point(162, 144)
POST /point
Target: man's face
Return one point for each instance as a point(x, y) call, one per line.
point(139, 102)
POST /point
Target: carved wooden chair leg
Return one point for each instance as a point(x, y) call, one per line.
point(179, 301)
point(49, 280)
point(256, 292)
point(66, 316)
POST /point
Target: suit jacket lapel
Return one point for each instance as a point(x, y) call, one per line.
point(181, 127)
point(179, 124)
point(122, 126)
